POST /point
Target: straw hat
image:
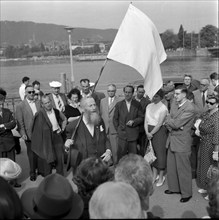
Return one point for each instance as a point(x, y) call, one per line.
point(53, 198)
point(55, 84)
point(9, 170)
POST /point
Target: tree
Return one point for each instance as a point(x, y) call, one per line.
point(181, 35)
point(169, 39)
point(209, 36)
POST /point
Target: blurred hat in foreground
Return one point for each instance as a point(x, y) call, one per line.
point(53, 198)
point(55, 84)
point(9, 170)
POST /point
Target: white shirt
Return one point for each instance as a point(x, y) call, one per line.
point(154, 112)
point(111, 99)
point(32, 106)
point(53, 120)
point(90, 127)
point(128, 104)
point(22, 91)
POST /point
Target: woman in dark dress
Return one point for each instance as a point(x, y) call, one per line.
point(72, 110)
point(209, 141)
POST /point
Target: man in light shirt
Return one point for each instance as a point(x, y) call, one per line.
point(25, 82)
point(58, 99)
point(47, 142)
point(25, 112)
point(107, 108)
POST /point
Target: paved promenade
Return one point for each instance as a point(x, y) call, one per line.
point(162, 205)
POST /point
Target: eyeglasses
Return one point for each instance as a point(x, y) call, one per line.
point(211, 103)
point(29, 92)
point(111, 90)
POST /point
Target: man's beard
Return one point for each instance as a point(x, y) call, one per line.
point(93, 117)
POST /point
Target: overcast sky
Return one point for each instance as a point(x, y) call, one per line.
point(193, 15)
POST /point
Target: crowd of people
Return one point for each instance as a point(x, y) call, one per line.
point(103, 140)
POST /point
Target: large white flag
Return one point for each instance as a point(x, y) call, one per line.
point(138, 45)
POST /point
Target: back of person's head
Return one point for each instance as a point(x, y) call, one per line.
point(135, 170)
point(53, 198)
point(10, 203)
point(114, 200)
point(3, 92)
point(35, 82)
point(90, 174)
point(214, 76)
point(213, 194)
point(25, 79)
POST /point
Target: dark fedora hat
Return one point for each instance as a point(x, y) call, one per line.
point(53, 198)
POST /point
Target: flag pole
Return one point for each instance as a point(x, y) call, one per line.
point(99, 75)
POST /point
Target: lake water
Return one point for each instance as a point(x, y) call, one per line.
point(11, 73)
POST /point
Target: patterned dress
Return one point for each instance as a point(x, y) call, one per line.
point(209, 130)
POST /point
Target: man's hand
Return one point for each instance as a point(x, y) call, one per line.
point(130, 123)
point(67, 144)
point(106, 156)
point(24, 137)
point(149, 136)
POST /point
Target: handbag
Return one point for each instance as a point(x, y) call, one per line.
point(213, 171)
point(150, 155)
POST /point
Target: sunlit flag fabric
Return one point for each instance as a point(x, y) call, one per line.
point(138, 45)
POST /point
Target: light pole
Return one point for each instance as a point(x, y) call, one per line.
point(69, 29)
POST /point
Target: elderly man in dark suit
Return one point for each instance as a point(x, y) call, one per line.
point(25, 112)
point(179, 124)
point(128, 116)
point(58, 99)
point(144, 101)
point(90, 137)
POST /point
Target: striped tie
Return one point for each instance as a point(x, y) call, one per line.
point(59, 103)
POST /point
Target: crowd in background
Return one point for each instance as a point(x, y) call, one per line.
point(103, 139)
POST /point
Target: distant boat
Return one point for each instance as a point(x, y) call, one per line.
point(91, 57)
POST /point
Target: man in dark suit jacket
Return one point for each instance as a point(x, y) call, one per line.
point(86, 91)
point(144, 101)
point(128, 116)
point(58, 99)
point(25, 112)
point(47, 141)
point(90, 137)
point(179, 124)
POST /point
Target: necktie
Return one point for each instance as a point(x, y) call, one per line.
point(203, 98)
point(59, 103)
point(110, 101)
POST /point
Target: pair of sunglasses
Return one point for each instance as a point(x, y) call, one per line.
point(29, 92)
point(211, 103)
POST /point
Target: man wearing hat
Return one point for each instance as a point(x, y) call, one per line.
point(25, 112)
point(53, 198)
point(59, 100)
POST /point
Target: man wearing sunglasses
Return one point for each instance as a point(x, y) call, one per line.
point(25, 112)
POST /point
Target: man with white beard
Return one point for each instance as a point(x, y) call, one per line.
point(89, 137)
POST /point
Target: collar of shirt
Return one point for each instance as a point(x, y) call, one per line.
point(182, 104)
point(50, 112)
point(128, 102)
point(30, 101)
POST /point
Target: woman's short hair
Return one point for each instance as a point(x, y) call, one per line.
point(10, 203)
point(160, 93)
point(76, 92)
point(91, 173)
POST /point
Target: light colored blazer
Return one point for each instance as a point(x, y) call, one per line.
point(24, 117)
point(107, 113)
point(180, 122)
point(199, 108)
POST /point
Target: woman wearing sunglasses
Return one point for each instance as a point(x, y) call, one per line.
point(209, 142)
